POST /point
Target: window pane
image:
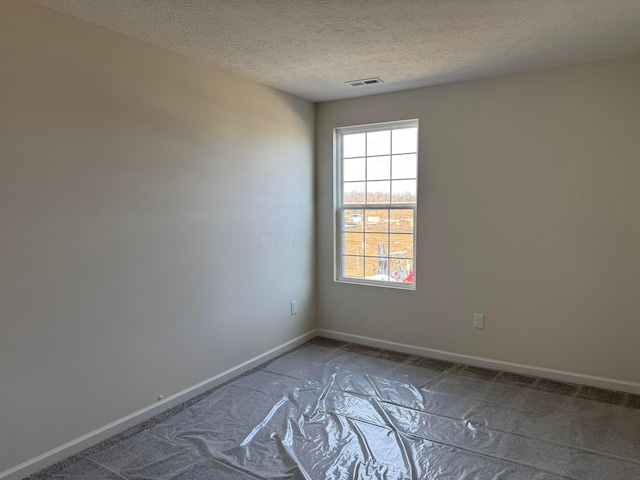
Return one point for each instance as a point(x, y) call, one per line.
point(401, 221)
point(353, 220)
point(405, 140)
point(353, 243)
point(377, 220)
point(377, 268)
point(401, 269)
point(353, 266)
point(404, 191)
point(377, 173)
point(378, 192)
point(379, 168)
point(375, 244)
point(353, 145)
point(404, 166)
point(353, 192)
point(353, 169)
point(401, 245)
point(379, 143)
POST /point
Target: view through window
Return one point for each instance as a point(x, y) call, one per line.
point(376, 173)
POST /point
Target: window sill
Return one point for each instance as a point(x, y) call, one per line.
point(374, 283)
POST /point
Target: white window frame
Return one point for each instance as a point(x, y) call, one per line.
point(339, 207)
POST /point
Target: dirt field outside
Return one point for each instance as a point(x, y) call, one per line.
point(375, 238)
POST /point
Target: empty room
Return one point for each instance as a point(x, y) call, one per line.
point(320, 239)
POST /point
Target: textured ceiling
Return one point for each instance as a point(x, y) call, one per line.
point(311, 47)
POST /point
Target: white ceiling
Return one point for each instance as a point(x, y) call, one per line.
point(311, 47)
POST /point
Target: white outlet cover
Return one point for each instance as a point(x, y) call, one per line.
point(294, 308)
point(478, 320)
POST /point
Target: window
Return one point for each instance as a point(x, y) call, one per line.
point(376, 199)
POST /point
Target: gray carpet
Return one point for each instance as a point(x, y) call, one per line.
point(341, 411)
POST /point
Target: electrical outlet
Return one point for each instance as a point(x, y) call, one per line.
point(478, 320)
point(294, 307)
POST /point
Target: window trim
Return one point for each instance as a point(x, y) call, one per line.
point(339, 207)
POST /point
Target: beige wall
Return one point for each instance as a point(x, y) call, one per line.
point(529, 198)
point(141, 194)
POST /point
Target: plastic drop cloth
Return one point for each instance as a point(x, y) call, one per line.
point(319, 413)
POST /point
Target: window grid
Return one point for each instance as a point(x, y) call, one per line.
point(393, 256)
point(399, 262)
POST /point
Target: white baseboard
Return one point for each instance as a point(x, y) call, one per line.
point(74, 446)
point(559, 375)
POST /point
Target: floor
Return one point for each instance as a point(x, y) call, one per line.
point(332, 410)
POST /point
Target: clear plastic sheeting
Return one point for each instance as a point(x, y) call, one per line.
point(328, 413)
